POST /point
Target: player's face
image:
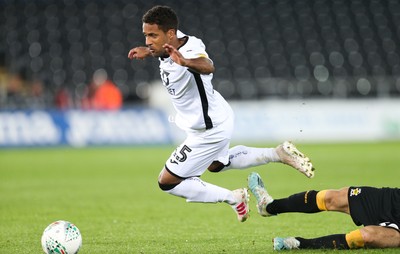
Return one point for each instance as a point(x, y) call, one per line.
point(155, 39)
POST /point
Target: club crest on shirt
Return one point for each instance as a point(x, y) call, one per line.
point(164, 77)
point(355, 192)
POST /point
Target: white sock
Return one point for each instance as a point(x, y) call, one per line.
point(196, 190)
point(242, 157)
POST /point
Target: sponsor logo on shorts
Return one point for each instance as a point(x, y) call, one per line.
point(355, 192)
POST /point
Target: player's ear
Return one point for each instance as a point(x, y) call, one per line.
point(171, 33)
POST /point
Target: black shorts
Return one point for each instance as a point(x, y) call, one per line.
point(375, 206)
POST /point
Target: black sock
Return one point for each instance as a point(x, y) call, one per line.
point(325, 242)
point(304, 202)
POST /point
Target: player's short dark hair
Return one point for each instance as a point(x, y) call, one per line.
point(163, 16)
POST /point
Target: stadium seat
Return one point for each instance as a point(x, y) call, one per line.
point(261, 49)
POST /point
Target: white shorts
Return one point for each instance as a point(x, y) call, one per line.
point(199, 150)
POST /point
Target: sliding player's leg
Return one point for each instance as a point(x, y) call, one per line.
point(366, 237)
point(304, 202)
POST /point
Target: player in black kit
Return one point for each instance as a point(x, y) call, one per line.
point(377, 209)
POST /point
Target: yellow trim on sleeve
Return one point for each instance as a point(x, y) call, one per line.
point(202, 55)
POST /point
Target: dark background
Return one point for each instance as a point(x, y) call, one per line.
point(261, 49)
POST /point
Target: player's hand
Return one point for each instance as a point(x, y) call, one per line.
point(139, 53)
point(174, 54)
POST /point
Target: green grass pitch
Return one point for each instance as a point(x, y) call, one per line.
point(112, 195)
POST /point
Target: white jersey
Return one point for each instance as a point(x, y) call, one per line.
point(198, 105)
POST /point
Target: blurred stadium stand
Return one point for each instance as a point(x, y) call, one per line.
point(261, 49)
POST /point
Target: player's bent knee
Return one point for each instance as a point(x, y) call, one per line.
point(370, 237)
point(216, 167)
point(380, 237)
point(336, 200)
point(367, 237)
point(167, 187)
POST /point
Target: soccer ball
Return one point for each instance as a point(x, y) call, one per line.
point(61, 237)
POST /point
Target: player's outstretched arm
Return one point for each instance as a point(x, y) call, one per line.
point(139, 53)
point(200, 65)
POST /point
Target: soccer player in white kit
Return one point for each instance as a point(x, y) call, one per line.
point(186, 72)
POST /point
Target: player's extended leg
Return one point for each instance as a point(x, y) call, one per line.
point(242, 157)
point(304, 202)
point(193, 189)
point(337, 241)
point(369, 237)
point(352, 240)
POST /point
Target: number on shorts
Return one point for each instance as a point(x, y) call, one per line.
point(182, 154)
